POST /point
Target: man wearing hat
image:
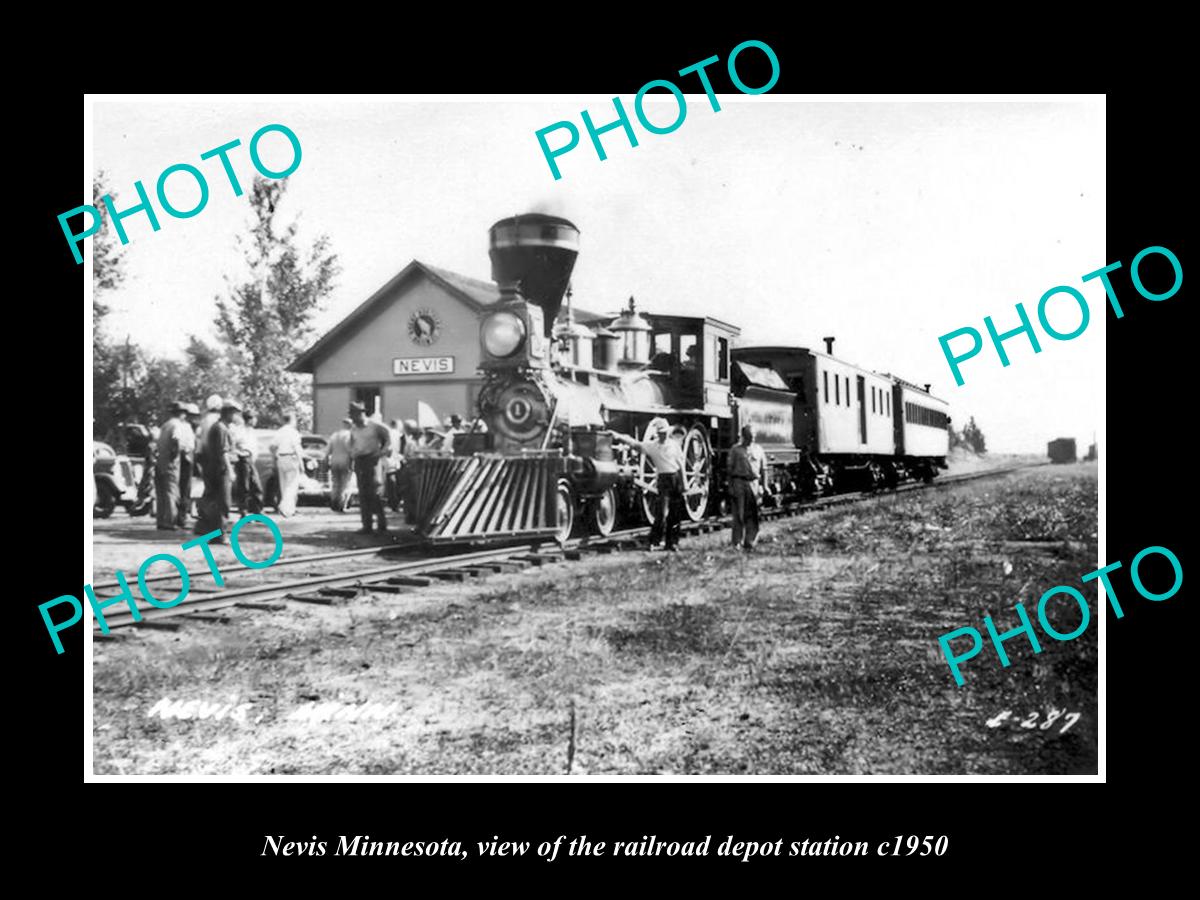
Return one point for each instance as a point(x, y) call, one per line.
point(175, 438)
point(212, 412)
point(747, 481)
point(667, 457)
point(187, 463)
point(220, 454)
point(370, 443)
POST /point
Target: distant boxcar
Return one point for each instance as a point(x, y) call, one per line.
point(1061, 450)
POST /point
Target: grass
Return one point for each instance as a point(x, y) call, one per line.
point(818, 654)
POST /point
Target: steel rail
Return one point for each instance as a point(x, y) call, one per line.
point(366, 577)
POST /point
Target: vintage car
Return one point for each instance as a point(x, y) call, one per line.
point(314, 467)
point(116, 479)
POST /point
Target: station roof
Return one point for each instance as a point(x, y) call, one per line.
point(477, 294)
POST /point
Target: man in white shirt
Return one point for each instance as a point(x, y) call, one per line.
point(666, 455)
point(286, 448)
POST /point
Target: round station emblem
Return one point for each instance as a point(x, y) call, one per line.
point(424, 327)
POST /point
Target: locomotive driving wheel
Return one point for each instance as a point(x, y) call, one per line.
point(697, 472)
point(647, 483)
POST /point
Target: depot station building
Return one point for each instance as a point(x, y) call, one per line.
point(415, 339)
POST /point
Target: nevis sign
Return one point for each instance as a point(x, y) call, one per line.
point(423, 365)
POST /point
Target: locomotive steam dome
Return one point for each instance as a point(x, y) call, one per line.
point(633, 331)
point(535, 254)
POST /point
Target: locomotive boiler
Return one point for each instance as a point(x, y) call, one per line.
point(546, 464)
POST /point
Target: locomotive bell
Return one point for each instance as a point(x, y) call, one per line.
point(535, 254)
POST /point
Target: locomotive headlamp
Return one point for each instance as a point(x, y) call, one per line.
point(502, 333)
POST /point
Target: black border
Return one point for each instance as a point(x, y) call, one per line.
point(990, 826)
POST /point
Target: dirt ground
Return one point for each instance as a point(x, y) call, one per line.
point(817, 654)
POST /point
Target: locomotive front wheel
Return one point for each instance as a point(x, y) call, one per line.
point(566, 512)
point(602, 513)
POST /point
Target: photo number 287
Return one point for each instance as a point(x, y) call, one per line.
point(912, 844)
point(1031, 720)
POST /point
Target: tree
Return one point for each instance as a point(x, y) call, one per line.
point(112, 365)
point(265, 321)
point(208, 370)
point(108, 272)
point(973, 437)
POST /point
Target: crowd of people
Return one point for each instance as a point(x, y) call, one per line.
point(218, 446)
point(375, 454)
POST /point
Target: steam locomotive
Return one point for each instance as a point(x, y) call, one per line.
point(555, 390)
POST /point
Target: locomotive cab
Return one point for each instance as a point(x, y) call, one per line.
point(692, 357)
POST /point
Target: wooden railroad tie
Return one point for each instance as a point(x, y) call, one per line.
point(261, 604)
point(312, 598)
point(411, 580)
point(153, 623)
point(458, 575)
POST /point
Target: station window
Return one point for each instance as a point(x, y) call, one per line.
point(837, 390)
point(370, 397)
point(826, 374)
point(872, 399)
point(848, 391)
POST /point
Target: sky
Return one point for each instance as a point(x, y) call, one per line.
point(884, 224)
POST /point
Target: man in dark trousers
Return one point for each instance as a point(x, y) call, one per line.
point(370, 443)
point(666, 454)
point(747, 478)
point(173, 441)
point(219, 457)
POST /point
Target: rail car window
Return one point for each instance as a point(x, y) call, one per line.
point(916, 414)
point(837, 390)
point(662, 342)
point(826, 374)
point(848, 403)
point(689, 351)
point(722, 358)
point(872, 399)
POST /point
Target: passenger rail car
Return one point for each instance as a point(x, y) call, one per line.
point(554, 391)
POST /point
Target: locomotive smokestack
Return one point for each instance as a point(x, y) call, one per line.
point(828, 345)
point(927, 388)
point(535, 254)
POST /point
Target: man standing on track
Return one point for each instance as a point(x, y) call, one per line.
point(747, 480)
point(369, 444)
point(667, 458)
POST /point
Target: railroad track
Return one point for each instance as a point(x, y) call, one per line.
point(402, 575)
